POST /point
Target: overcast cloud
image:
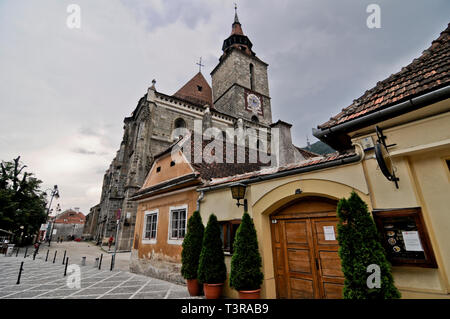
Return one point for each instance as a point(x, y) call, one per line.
point(65, 92)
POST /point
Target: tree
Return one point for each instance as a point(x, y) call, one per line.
point(21, 201)
point(359, 248)
point(246, 263)
point(212, 268)
point(192, 246)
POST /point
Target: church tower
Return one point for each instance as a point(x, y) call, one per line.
point(239, 82)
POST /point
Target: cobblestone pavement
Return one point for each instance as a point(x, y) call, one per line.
point(45, 280)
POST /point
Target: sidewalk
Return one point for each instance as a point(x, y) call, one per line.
point(42, 279)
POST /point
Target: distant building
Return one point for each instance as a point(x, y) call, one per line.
point(90, 231)
point(69, 223)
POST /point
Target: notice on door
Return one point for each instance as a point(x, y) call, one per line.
point(412, 241)
point(328, 231)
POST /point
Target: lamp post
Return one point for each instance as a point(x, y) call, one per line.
point(54, 193)
point(58, 209)
point(238, 193)
point(21, 235)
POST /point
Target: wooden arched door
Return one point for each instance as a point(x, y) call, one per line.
point(305, 250)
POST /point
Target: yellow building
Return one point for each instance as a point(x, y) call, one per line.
point(394, 144)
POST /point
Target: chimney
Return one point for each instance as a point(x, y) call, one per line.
point(207, 118)
point(285, 153)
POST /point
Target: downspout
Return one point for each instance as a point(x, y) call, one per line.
point(199, 199)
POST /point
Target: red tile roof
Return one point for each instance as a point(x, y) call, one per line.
point(426, 73)
point(311, 162)
point(70, 217)
point(203, 171)
point(196, 90)
point(209, 171)
point(307, 154)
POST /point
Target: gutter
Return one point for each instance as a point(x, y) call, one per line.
point(164, 186)
point(408, 106)
point(348, 160)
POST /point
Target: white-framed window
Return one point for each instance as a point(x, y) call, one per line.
point(177, 224)
point(150, 227)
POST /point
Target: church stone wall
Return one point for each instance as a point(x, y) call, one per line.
point(235, 69)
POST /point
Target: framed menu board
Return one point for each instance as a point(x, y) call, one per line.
point(405, 237)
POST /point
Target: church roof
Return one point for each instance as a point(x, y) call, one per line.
point(212, 170)
point(425, 74)
point(203, 172)
point(196, 90)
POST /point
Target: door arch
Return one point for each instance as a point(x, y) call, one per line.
point(305, 249)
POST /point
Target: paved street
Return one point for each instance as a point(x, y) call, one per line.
point(45, 280)
point(76, 250)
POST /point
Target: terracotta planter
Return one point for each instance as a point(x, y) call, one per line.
point(212, 291)
point(193, 287)
point(249, 294)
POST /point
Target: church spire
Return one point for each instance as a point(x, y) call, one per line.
point(236, 19)
point(237, 39)
point(236, 27)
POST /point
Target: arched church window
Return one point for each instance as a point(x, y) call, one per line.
point(255, 119)
point(179, 122)
point(252, 77)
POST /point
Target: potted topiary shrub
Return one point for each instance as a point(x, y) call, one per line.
point(359, 248)
point(212, 271)
point(190, 255)
point(245, 275)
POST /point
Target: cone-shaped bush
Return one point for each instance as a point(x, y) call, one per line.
point(360, 247)
point(192, 246)
point(245, 271)
point(211, 268)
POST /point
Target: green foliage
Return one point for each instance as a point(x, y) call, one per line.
point(246, 261)
point(212, 269)
point(21, 201)
point(320, 147)
point(360, 247)
point(192, 246)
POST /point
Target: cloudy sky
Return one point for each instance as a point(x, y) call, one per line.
point(64, 92)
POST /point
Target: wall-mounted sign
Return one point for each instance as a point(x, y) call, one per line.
point(383, 158)
point(412, 241)
point(367, 143)
point(405, 237)
point(328, 232)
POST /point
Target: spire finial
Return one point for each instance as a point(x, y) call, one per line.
point(236, 19)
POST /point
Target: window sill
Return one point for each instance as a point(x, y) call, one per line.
point(175, 241)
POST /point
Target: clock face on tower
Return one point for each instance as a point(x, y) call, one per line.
point(253, 103)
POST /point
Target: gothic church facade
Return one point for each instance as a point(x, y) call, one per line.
point(239, 94)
